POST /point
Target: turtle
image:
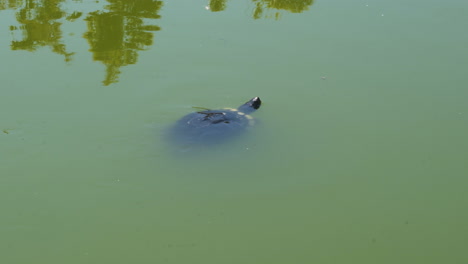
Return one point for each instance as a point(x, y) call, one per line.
point(210, 127)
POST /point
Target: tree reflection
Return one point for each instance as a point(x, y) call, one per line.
point(10, 4)
point(294, 6)
point(39, 25)
point(217, 5)
point(261, 6)
point(116, 36)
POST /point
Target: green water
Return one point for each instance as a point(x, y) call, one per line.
point(360, 154)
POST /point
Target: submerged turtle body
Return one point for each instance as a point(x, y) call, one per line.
point(214, 126)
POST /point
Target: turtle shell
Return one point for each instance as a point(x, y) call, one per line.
point(214, 126)
point(211, 126)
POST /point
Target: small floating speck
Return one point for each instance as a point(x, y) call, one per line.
point(207, 7)
point(382, 14)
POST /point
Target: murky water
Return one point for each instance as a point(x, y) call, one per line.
point(359, 153)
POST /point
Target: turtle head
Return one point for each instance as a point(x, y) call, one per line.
point(252, 105)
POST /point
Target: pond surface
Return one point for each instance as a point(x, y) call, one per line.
point(359, 153)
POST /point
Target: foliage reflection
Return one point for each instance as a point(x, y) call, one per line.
point(217, 5)
point(40, 26)
point(264, 7)
point(116, 33)
point(116, 36)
